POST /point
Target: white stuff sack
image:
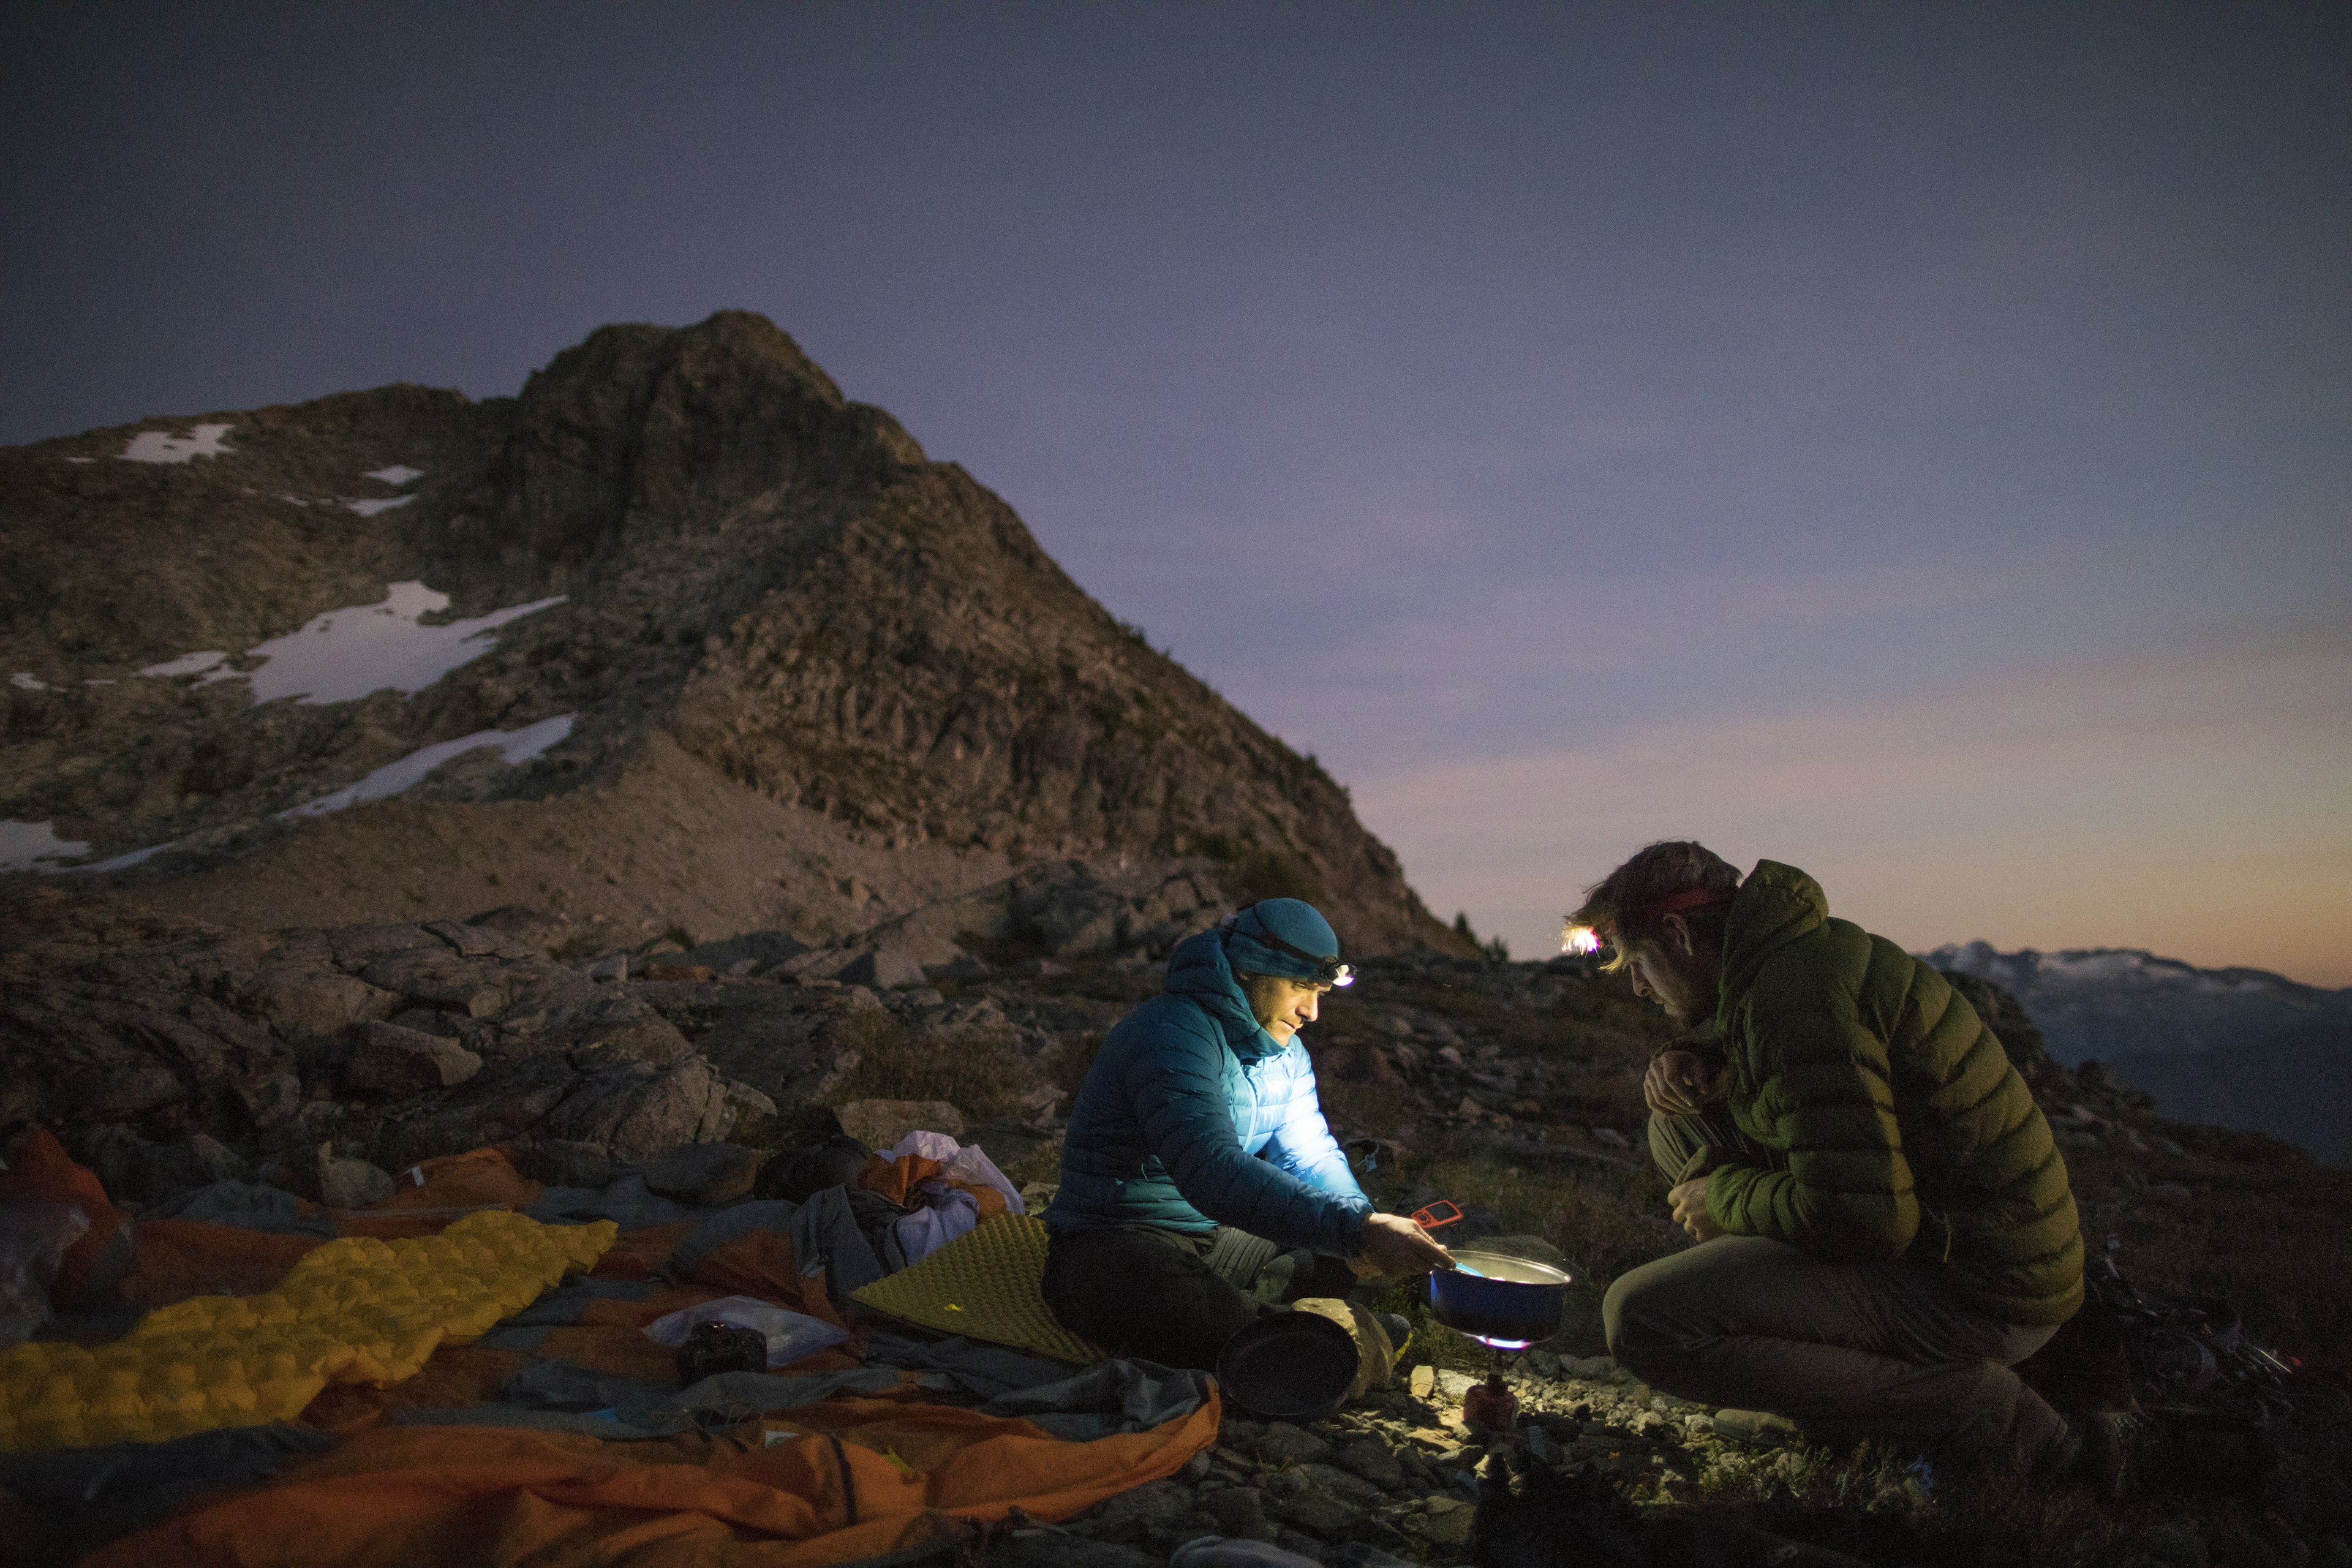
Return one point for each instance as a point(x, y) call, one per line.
point(790, 1335)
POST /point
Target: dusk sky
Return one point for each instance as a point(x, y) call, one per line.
point(1911, 442)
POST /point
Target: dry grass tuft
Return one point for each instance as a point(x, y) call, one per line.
point(981, 1072)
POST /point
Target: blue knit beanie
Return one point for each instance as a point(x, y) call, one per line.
point(1292, 921)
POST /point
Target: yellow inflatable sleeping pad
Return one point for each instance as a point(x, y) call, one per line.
point(984, 1284)
point(356, 1311)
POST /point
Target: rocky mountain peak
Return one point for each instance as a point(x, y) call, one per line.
point(679, 636)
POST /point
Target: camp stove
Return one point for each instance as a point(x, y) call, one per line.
point(1507, 1294)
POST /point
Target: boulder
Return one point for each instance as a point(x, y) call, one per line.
point(638, 1110)
point(345, 1183)
point(880, 1123)
point(337, 1181)
point(563, 1162)
point(884, 969)
point(753, 952)
point(135, 1170)
point(314, 1004)
point(386, 1061)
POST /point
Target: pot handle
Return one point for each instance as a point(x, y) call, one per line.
point(1441, 1213)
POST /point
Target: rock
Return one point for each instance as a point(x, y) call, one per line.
point(753, 952)
point(638, 1110)
point(1283, 1444)
point(630, 1027)
point(612, 966)
point(436, 977)
point(1449, 1528)
point(476, 941)
point(565, 1162)
point(747, 1099)
point(337, 1182)
point(270, 1099)
point(1338, 1482)
point(1757, 1426)
point(386, 1061)
point(1131, 1515)
point(134, 1171)
point(1423, 1382)
point(1316, 1512)
point(1060, 1549)
point(881, 1123)
point(709, 1175)
point(1452, 1385)
point(884, 969)
point(678, 974)
point(1372, 1460)
point(1241, 1511)
point(314, 1004)
point(531, 930)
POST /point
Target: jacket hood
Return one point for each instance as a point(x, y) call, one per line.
point(1775, 905)
point(1198, 970)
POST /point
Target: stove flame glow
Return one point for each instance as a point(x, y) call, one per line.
point(1582, 940)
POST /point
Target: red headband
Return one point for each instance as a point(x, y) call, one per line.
point(1689, 898)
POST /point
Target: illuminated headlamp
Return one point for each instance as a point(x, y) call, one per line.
point(1581, 941)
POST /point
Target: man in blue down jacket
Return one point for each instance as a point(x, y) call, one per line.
point(1200, 1184)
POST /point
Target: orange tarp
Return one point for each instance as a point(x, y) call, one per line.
point(460, 1495)
point(39, 1167)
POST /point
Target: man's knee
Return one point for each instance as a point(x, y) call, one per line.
point(1629, 1318)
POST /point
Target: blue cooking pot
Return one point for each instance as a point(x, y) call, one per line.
point(1508, 1303)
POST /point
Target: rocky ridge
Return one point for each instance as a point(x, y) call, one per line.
point(810, 679)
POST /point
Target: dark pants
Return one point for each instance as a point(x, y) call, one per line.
point(1847, 1350)
point(1173, 1297)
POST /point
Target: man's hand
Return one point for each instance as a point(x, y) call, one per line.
point(1395, 1245)
point(1690, 1202)
point(1679, 1083)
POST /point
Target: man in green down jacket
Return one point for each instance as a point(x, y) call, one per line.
point(1884, 1220)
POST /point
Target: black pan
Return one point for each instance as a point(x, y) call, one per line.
point(1289, 1366)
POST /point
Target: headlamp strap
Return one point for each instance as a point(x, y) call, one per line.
point(1329, 971)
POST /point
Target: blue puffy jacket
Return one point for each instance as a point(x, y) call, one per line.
point(1185, 1095)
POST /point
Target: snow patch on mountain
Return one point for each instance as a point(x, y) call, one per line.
point(186, 664)
point(163, 446)
point(24, 845)
point(343, 655)
point(517, 746)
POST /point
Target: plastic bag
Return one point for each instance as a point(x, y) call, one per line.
point(962, 1161)
point(34, 1236)
point(791, 1335)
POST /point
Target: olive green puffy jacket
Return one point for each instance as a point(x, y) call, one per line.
point(1901, 1128)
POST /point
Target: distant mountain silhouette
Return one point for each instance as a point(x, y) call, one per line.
point(727, 654)
point(2235, 1047)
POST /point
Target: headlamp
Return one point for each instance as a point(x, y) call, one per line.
point(1581, 941)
